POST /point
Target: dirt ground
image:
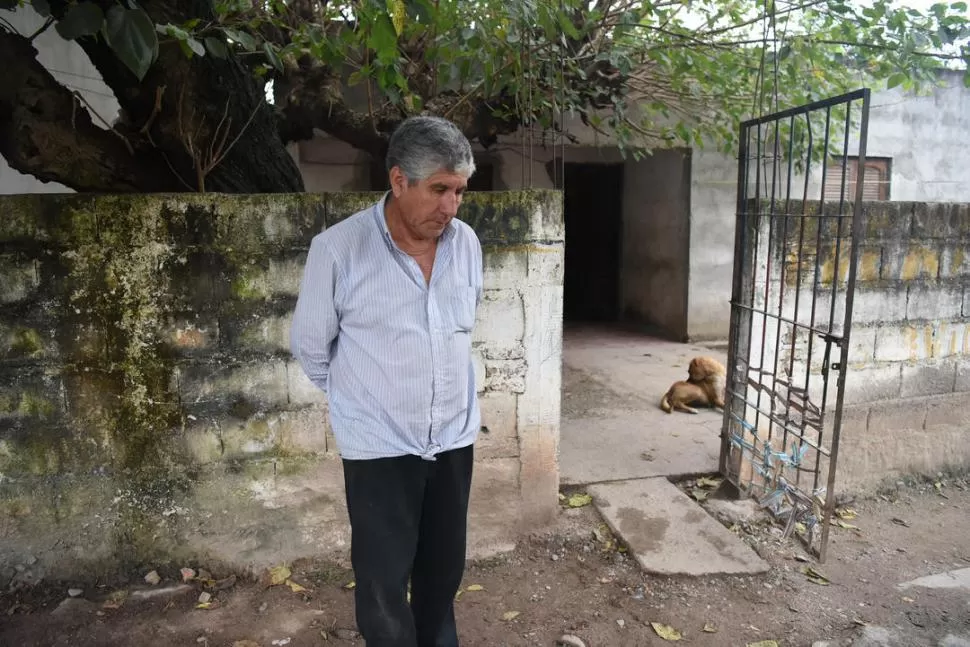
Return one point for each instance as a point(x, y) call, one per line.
point(569, 580)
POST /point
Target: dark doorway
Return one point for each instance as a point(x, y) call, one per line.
point(593, 206)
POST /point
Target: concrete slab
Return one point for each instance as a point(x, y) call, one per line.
point(958, 579)
point(612, 426)
point(668, 533)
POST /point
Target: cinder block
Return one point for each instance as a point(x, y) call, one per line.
point(887, 220)
point(893, 415)
point(951, 338)
point(500, 324)
point(879, 382)
point(305, 431)
point(879, 305)
point(301, 392)
point(961, 219)
point(24, 342)
point(908, 262)
point(191, 335)
point(955, 261)
point(946, 411)
point(261, 333)
point(498, 437)
point(933, 301)
point(907, 342)
point(546, 264)
point(505, 268)
point(505, 375)
point(934, 220)
point(18, 278)
point(272, 278)
point(962, 382)
point(933, 377)
point(239, 390)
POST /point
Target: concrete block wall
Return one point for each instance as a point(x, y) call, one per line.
point(908, 376)
point(149, 407)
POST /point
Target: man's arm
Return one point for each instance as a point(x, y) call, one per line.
point(315, 320)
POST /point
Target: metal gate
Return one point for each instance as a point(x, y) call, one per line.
point(799, 225)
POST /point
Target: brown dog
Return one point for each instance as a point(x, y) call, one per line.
point(704, 387)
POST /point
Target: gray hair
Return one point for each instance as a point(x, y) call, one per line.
point(422, 146)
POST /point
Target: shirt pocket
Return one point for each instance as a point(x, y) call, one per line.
point(461, 305)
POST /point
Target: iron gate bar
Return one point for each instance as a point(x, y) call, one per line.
point(745, 393)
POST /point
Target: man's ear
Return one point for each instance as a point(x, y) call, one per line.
point(399, 181)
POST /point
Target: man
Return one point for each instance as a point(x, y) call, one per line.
point(383, 325)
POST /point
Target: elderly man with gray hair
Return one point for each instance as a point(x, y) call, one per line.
point(383, 325)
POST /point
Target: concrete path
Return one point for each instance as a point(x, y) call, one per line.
point(612, 426)
point(669, 533)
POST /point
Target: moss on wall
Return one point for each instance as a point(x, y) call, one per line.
point(103, 403)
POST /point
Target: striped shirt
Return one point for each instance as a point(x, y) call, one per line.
point(392, 351)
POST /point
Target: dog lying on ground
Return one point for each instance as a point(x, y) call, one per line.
point(704, 387)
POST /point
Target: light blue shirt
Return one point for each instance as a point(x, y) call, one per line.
point(392, 352)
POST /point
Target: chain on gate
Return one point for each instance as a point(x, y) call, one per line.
point(796, 250)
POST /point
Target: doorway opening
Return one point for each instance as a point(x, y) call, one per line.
point(593, 213)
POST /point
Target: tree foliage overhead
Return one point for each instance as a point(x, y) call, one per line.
point(190, 76)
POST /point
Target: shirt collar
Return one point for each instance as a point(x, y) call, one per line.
point(446, 235)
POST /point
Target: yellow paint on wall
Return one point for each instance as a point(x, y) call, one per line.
point(920, 262)
point(869, 262)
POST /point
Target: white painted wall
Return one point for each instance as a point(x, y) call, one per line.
point(70, 65)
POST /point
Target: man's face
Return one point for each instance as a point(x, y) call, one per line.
point(429, 205)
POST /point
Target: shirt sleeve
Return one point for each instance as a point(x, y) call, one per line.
point(315, 320)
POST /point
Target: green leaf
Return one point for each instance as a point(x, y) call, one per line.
point(274, 59)
point(82, 19)
point(131, 35)
point(895, 79)
point(245, 41)
point(197, 48)
point(42, 7)
point(216, 47)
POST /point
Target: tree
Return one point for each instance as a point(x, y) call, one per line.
point(190, 76)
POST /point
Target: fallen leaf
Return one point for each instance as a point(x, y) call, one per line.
point(900, 522)
point(846, 513)
point(579, 500)
point(708, 482)
point(296, 588)
point(279, 574)
point(709, 628)
point(204, 605)
point(115, 600)
point(699, 494)
point(763, 643)
point(474, 587)
point(458, 594)
point(847, 526)
point(349, 585)
point(666, 631)
point(815, 576)
point(800, 528)
point(510, 615)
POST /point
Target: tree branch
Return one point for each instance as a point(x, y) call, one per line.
point(46, 132)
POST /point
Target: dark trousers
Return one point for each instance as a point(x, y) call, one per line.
point(408, 519)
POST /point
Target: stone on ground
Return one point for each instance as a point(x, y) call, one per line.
point(668, 533)
point(958, 579)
